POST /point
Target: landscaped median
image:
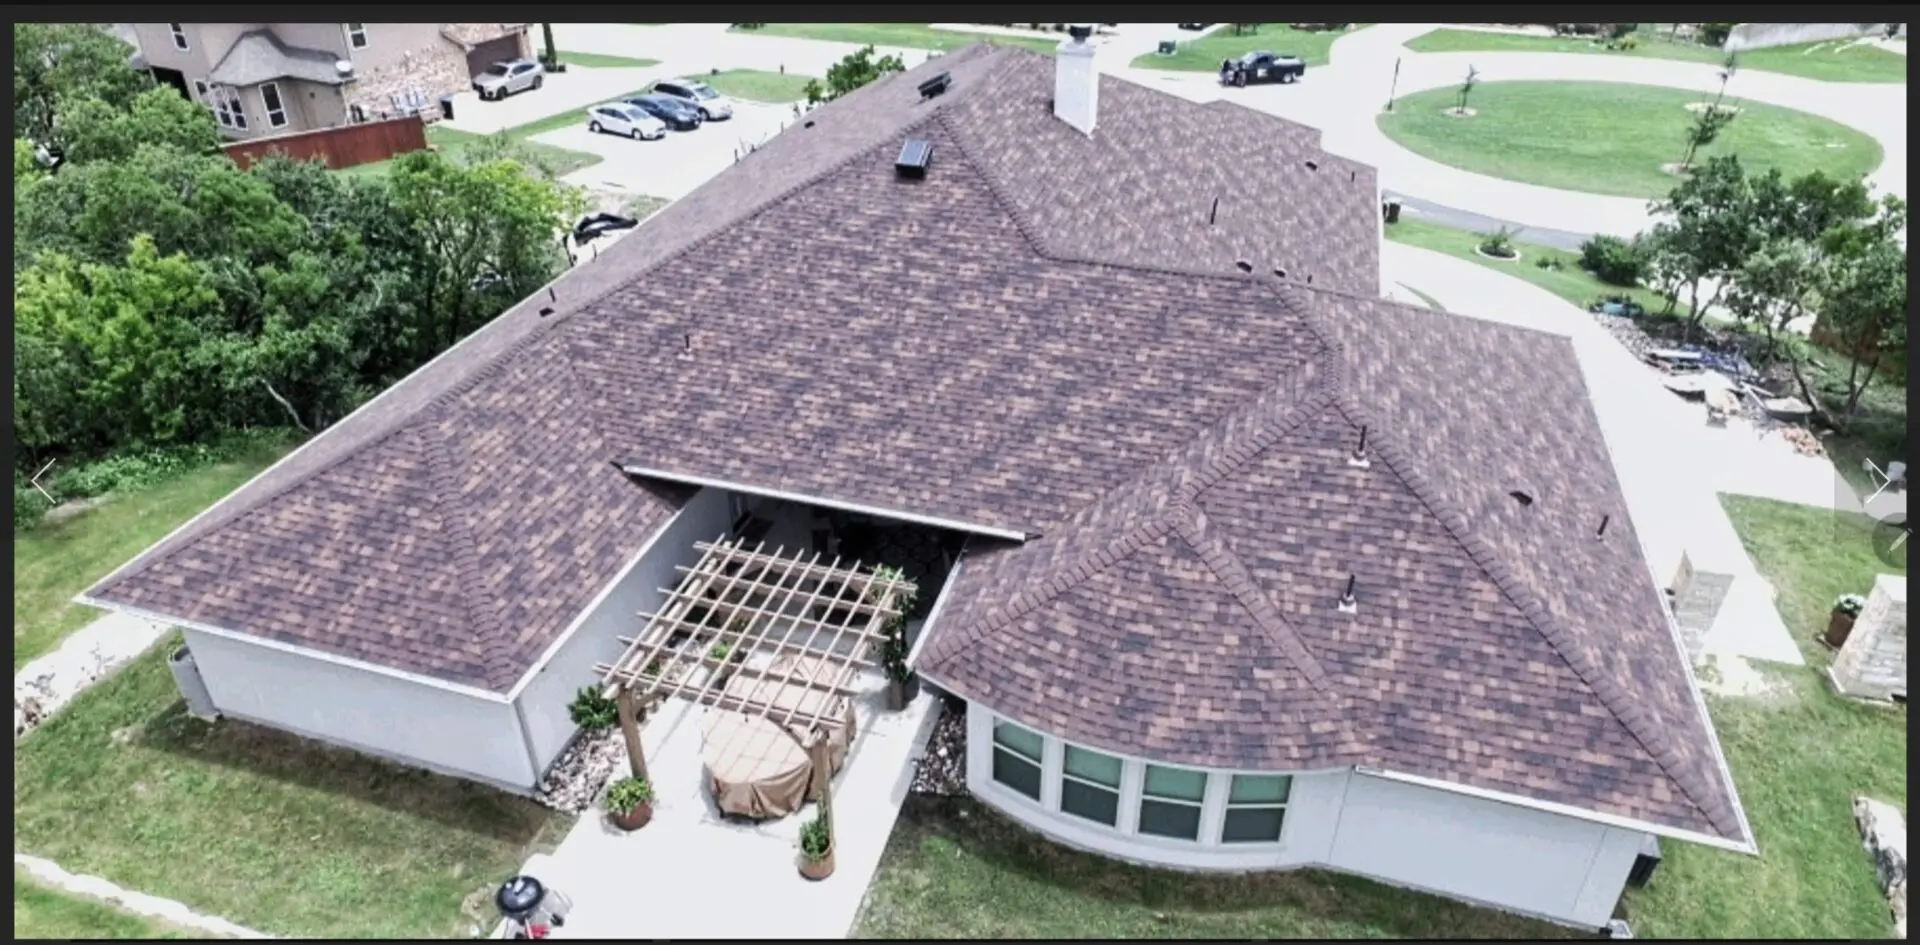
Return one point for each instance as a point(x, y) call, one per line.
point(901, 35)
point(1612, 138)
point(260, 827)
point(1205, 53)
point(1831, 61)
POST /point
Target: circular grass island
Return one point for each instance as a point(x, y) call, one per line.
point(1612, 138)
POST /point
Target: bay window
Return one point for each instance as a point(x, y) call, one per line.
point(1171, 802)
point(1017, 754)
point(1256, 808)
point(1090, 786)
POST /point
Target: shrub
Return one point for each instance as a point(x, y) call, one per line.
point(29, 506)
point(1549, 263)
point(1620, 30)
point(1714, 34)
point(593, 710)
point(627, 794)
point(720, 650)
point(1498, 244)
point(136, 469)
point(1850, 604)
point(816, 838)
point(1623, 44)
point(1613, 260)
point(748, 26)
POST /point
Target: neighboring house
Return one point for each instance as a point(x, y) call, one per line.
point(277, 78)
point(1260, 570)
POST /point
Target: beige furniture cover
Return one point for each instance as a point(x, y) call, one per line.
point(755, 767)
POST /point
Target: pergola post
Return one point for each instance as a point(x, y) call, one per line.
point(821, 754)
point(630, 730)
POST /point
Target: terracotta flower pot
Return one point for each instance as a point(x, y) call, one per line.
point(632, 820)
point(819, 869)
point(1839, 627)
point(900, 693)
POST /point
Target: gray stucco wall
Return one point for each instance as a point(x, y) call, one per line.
point(372, 712)
point(595, 638)
point(1763, 35)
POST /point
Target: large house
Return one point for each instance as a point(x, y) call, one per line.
point(264, 79)
point(1235, 564)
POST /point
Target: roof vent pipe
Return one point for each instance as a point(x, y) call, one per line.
point(1348, 603)
point(1076, 80)
point(1359, 458)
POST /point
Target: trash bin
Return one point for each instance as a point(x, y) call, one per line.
point(1393, 211)
point(446, 107)
point(1166, 47)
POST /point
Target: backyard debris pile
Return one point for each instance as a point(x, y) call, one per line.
point(1803, 441)
point(943, 770)
point(35, 700)
point(575, 780)
point(1883, 832)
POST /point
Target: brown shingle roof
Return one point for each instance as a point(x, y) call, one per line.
point(1044, 336)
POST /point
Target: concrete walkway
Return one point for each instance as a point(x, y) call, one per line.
point(89, 655)
point(167, 910)
point(1345, 98)
point(1670, 468)
point(689, 874)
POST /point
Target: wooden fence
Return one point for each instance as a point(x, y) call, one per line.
point(345, 146)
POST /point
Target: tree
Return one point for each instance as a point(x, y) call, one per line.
point(56, 65)
point(546, 34)
point(159, 117)
point(857, 69)
point(1711, 232)
point(1466, 89)
point(1864, 307)
point(1775, 285)
point(1710, 121)
point(1245, 29)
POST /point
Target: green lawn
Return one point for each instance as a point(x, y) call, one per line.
point(905, 35)
point(56, 560)
point(1800, 755)
point(557, 161)
point(1829, 61)
point(598, 61)
point(1879, 431)
point(754, 85)
point(261, 827)
point(43, 913)
point(1610, 138)
point(954, 869)
point(642, 206)
point(1205, 53)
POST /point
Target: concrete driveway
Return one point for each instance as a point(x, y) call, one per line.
point(672, 166)
point(571, 91)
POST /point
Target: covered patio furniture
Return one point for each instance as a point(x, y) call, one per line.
point(756, 767)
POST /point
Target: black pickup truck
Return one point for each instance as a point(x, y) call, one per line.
point(1255, 67)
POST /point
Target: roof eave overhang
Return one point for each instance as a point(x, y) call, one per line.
point(972, 528)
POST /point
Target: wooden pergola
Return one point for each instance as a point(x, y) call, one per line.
point(756, 602)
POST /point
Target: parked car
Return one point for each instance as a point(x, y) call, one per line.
point(678, 115)
point(1261, 67)
point(627, 121)
point(505, 78)
point(1193, 26)
point(712, 104)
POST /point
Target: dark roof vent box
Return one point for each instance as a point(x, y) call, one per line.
point(936, 86)
point(915, 155)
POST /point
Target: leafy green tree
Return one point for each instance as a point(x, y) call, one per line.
point(857, 69)
point(96, 130)
point(1710, 232)
point(1865, 301)
point(56, 65)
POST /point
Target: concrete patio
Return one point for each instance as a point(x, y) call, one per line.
point(691, 874)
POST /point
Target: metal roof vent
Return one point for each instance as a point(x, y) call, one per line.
point(1243, 266)
point(915, 155)
point(1348, 603)
point(1525, 500)
point(936, 86)
point(1313, 165)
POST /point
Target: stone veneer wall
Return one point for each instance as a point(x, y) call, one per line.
point(1873, 663)
point(1696, 599)
point(436, 69)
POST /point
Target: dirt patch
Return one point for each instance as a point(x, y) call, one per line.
point(1507, 259)
point(1725, 109)
point(1725, 674)
point(67, 510)
point(1457, 112)
point(1676, 170)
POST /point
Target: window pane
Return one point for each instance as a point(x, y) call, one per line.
point(1017, 773)
point(1260, 789)
point(1252, 825)
point(270, 95)
point(1024, 741)
point(1161, 819)
point(1177, 783)
point(1095, 804)
point(1093, 766)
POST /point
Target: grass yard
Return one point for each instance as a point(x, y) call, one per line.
point(642, 206)
point(955, 869)
point(1799, 755)
point(1567, 281)
point(598, 61)
point(56, 560)
point(1204, 54)
point(558, 162)
point(261, 827)
point(40, 912)
point(905, 35)
point(754, 85)
point(1611, 138)
point(1831, 61)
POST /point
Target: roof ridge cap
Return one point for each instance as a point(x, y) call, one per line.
point(1193, 525)
point(1624, 708)
point(1084, 567)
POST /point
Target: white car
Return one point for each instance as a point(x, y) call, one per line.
point(619, 118)
point(712, 104)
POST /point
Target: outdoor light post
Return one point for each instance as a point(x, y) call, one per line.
point(1395, 88)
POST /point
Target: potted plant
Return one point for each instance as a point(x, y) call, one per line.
point(730, 654)
point(594, 710)
point(630, 803)
point(902, 682)
point(1840, 625)
point(816, 848)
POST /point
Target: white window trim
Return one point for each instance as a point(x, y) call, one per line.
point(1133, 777)
point(1226, 804)
point(348, 28)
point(1119, 791)
point(268, 110)
point(179, 31)
point(994, 747)
point(228, 108)
point(1140, 795)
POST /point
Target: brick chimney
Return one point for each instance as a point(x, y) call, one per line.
point(1076, 80)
